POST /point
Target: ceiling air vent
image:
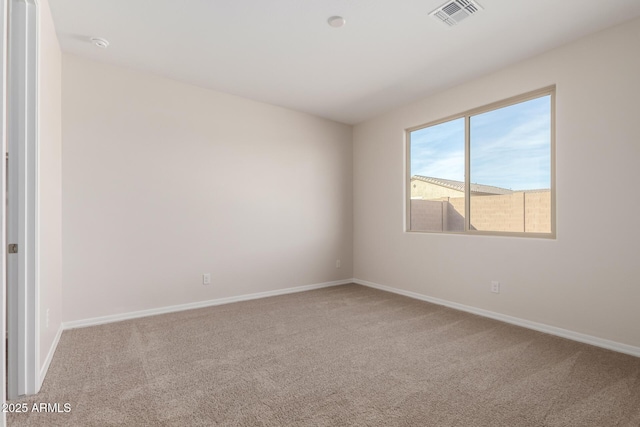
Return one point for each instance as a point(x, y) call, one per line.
point(455, 11)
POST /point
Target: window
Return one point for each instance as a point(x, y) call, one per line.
point(487, 171)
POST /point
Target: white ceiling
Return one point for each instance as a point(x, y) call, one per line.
point(283, 52)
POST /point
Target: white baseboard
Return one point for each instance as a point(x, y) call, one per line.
point(47, 361)
point(541, 327)
point(200, 304)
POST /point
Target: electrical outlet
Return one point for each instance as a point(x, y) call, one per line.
point(338, 263)
point(206, 279)
point(495, 287)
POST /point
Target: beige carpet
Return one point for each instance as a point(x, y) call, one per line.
point(342, 356)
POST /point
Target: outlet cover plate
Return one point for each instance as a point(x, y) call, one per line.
point(495, 287)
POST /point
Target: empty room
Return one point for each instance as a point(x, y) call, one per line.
point(320, 213)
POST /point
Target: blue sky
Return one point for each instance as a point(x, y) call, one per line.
point(510, 147)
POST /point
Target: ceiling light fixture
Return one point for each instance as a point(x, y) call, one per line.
point(336, 21)
point(101, 43)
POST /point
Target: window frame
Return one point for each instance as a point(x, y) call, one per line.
point(539, 93)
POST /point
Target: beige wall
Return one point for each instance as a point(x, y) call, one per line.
point(586, 280)
point(537, 211)
point(515, 212)
point(429, 215)
point(164, 181)
point(49, 182)
point(427, 191)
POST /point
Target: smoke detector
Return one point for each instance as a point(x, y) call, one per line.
point(99, 42)
point(452, 12)
point(336, 21)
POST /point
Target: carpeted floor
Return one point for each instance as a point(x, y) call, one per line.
point(341, 356)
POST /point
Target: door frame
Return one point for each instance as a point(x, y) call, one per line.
point(22, 211)
point(3, 204)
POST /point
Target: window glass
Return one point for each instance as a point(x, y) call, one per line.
point(437, 177)
point(510, 152)
point(507, 149)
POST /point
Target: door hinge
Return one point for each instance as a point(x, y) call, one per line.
point(13, 248)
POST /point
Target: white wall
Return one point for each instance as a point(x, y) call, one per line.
point(49, 182)
point(587, 279)
point(163, 181)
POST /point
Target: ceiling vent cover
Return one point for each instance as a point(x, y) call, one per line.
point(455, 11)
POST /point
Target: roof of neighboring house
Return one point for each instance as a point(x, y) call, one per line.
point(459, 185)
point(537, 190)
